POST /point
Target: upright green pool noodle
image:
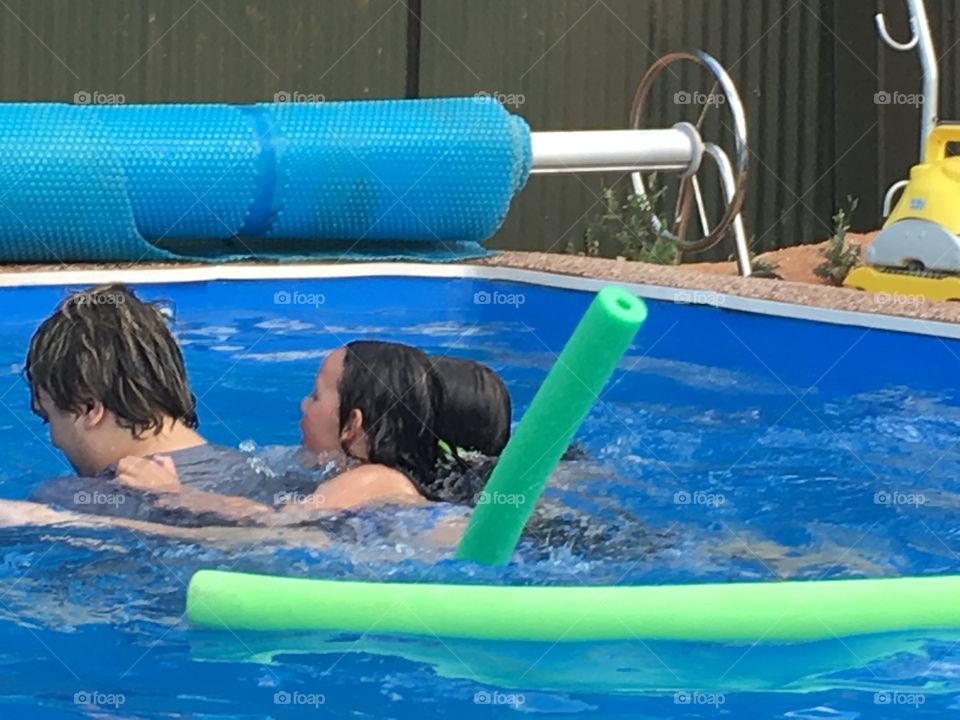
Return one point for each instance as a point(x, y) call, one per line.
point(558, 409)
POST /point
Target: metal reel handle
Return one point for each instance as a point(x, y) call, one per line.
point(741, 161)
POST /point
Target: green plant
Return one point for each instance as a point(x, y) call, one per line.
point(595, 225)
point(839, 256)
point(760, 268)
point(627, 224)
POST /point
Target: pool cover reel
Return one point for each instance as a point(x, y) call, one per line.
point(157, 182)
point(425, 179)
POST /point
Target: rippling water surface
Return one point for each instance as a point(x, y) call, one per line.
point(727, 448)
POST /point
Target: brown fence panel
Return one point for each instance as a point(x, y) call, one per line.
point(210, 51)
point(808, 71)
point(576, 64)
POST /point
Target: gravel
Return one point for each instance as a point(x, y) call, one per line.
point(761, 288)
point(661, 275)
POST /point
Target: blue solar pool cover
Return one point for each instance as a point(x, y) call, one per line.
point(423, 179)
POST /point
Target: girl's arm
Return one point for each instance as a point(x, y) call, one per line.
point(15, 513)
point(364, 485)
point(158, 476)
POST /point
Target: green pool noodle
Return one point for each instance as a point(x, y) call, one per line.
point(746, 613)
point(555, 414)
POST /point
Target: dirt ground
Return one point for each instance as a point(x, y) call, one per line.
point(716, 280)
point(794, 264)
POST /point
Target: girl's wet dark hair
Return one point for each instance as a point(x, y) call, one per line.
point(395, 388)
point(105, 345)
point(473, 411)
point(410, 402)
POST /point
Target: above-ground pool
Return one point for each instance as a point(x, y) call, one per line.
point(734, 443)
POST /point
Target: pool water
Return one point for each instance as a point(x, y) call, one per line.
point(728, 447)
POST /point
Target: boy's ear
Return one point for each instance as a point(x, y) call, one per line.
point(93, 414)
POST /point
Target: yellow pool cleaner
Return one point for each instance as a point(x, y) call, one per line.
point(918, 250)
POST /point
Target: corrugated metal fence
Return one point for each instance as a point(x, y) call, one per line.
point(807, 69)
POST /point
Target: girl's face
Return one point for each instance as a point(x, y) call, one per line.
point(320, 424)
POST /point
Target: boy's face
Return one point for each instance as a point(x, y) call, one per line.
point(71, 434)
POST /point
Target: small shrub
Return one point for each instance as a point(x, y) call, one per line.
point(762, 268)
point(839, 256)
point(759, 268)
point(626, 223)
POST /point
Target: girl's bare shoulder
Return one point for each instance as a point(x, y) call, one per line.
point(370, 484)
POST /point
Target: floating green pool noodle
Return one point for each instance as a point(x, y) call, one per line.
point(558, 409)
point(769, 612)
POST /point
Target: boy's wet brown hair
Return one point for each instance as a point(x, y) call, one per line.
point(105, 345)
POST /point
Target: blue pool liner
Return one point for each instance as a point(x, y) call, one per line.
point(419, 179)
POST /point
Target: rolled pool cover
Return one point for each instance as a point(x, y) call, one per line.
point(556, 412)
point(769, 612)
point(157, 182)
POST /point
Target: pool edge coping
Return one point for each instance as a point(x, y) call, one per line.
point(698, 297)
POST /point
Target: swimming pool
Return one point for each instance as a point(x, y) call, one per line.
point(734, 443)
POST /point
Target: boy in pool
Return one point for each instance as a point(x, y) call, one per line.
point(108, 377)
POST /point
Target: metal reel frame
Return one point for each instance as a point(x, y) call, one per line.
point(741, 161)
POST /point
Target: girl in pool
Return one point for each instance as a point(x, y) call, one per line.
point(474, 409)
point(380, 405)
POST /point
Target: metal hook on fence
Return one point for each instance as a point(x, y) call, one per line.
point(922, 40)
point(881, 21)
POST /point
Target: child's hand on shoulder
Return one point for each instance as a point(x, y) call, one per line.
point(149, 474)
